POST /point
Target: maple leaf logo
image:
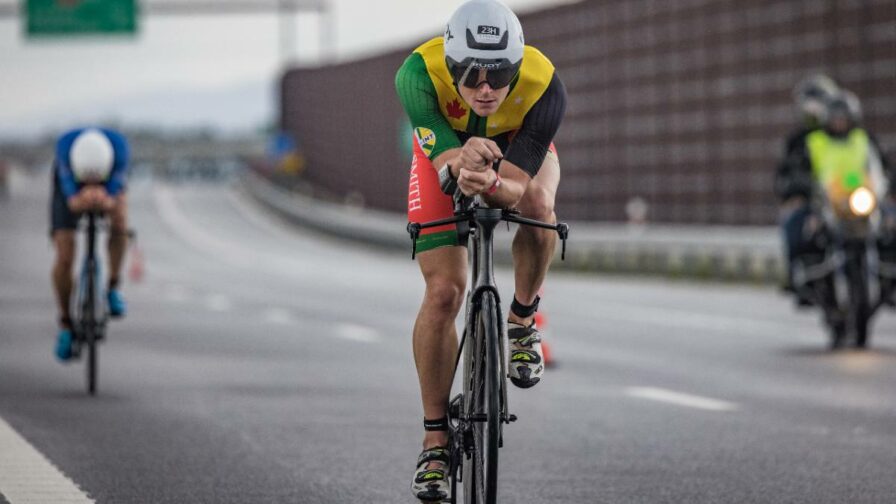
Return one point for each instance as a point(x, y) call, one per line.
point(455, 109)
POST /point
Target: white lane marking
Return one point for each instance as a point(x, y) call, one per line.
point(194, 235)
point(684, 319)
point(354, 332)
point(680, 399)
point(259, 218)
point(218, 303)
point(27, 477)
point(279, 316)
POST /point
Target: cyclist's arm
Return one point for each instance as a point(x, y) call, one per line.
point(529, 147)
point(421, 102)
point(64, 175)
point(794, 180)
point(118, 176)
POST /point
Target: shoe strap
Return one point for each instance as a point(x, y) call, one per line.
point(429, 475)
point(524, 335)
point(524, 357)
point(436, 453)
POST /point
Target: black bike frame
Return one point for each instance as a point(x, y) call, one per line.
point(92, 326)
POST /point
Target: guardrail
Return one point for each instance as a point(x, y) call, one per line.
point(746, 254)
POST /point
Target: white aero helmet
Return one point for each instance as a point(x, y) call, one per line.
point(484, 34)
point(91, 156)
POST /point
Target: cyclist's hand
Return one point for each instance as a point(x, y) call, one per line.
point(478, 154)
point(473, 182)
point(95, 197)
point(107, 203)
point(102, 201)
point(77, 203)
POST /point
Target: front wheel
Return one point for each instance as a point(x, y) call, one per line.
point(92, 358)
point(859, 302)
point(482, 380)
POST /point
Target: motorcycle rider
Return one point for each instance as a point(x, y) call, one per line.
point(840, 127)
point(793, 179)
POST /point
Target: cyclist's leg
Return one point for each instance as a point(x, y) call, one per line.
point(118, 237)
point(533, 248)
point(443, 265)
point(63, 225)
point(435, 334)
point(63, 265)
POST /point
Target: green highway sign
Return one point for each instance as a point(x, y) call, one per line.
point(54, 18)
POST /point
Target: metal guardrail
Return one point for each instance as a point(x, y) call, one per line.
point(744, 254)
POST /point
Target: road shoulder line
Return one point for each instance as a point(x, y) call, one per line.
point(27, 477)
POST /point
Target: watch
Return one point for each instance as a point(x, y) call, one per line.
point(447, 182)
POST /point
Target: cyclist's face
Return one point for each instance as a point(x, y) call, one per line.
point(484, 100)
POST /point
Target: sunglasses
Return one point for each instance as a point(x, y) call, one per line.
point(468, 76)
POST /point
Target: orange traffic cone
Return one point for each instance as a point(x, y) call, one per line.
point(541, 324)
point(136, 269)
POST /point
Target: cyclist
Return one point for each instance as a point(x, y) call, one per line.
point(89, 174)
point(477, 95)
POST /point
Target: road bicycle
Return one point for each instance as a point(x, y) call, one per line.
point(477, 414)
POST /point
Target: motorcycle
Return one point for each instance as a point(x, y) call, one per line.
point(849, 270)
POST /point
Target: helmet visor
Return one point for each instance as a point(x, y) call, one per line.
point(498, 74)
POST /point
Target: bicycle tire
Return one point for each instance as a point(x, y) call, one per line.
point(88, 316)
point(482, 381)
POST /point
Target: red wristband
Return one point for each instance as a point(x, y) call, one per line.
point(495, 186)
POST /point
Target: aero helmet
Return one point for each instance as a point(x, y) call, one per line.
point(483, 34)
point(91, 156)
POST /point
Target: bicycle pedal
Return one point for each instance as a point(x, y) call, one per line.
point(510, 418)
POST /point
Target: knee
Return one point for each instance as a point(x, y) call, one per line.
point(65, 259)
point(538, 203)
point(118, 221)
point(445, 295)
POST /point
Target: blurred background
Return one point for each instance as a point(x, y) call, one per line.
point(679, 105)
point(272, 296)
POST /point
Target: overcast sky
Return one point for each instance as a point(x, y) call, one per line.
point(187, 71)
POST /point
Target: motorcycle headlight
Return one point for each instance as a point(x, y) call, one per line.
point(862, 202)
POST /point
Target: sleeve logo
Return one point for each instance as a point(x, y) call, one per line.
point(426, 138)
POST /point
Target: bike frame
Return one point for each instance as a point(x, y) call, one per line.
point(91, 321)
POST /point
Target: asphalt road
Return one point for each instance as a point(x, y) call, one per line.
point(264, 364)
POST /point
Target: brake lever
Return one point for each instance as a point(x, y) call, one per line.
point(563, 231)
point(414, 231)
point(510, 211)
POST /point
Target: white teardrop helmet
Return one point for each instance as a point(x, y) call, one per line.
point(91, 156)
point(484, 34)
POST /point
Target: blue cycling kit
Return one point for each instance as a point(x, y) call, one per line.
point(66, 178)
